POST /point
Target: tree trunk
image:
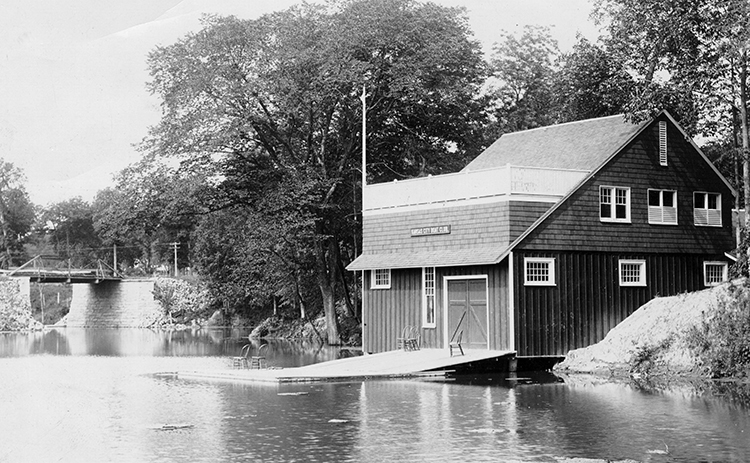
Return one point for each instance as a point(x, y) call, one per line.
point(745, 137)
point(326, 284)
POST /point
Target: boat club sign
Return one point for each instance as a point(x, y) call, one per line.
point(438, 230)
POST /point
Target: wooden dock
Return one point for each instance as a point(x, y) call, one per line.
point(393, 364)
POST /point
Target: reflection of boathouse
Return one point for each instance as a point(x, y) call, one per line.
point(545, 241)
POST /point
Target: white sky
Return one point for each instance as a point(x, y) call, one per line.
point(73, 73)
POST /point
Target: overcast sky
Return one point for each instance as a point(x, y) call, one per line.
point(73, 73)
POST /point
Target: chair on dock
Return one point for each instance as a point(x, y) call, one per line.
point(240, 361)
point(410, 338)
point(259, 361)
point(456, 343)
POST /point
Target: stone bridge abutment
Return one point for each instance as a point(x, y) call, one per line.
point(112, 304)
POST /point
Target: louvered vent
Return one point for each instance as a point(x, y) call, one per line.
point(663, 143)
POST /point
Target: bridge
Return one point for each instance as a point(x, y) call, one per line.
point(53, 269)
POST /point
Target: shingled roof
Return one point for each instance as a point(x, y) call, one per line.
point(582, 145)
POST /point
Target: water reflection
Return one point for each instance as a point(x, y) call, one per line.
point(69, 395)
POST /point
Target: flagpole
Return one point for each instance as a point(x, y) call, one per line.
point(364, 139)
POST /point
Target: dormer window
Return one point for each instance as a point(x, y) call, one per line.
point(663, 143)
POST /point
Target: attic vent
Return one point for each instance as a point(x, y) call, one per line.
point(663, 143)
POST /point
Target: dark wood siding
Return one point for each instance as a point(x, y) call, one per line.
point(387, 311)
point(588, 300)
point(575, 224)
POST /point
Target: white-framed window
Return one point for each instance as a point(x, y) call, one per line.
point(663, 143)
point(662, 207)
point(539, 271)
point(614, 204)
point(707, 209)
point(381, 278)
point(632, 272)
point(428, 297)
point(714, 273)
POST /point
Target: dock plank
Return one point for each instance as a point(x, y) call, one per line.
point(392, 364)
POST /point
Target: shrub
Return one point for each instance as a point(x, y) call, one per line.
point(722, 339)
point(181, 301)
point(15, 309)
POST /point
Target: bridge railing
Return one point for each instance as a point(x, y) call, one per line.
point(49, 267)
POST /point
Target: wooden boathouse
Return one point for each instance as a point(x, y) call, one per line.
point(545, 241)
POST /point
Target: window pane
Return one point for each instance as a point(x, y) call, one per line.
point(713, 201)
point(622, 211)
point(605, 195)
point(537, 271)
point(606, 211)
point(668, 198)
point(654, 198)
point(699, 200)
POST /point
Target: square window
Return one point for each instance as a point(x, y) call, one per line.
point(662, 207)
point(614, 204)
point(632, 272)
point(714, 273)
point(539, 271)
point(381, 278)
point(707, 209)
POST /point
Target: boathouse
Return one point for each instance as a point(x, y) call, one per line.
point(545, 241)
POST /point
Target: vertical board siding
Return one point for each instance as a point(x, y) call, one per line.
point(588, 300)
point(387, 311)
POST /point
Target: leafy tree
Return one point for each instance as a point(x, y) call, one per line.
point(523, 71)
point(70, 225)
point(151, 206)
point(17, 213)
point(589, 83)
point(270, 107)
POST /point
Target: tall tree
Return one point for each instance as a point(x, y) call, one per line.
point(272, 107)
point(522, 70)
point(16, 212)
point(70, 224)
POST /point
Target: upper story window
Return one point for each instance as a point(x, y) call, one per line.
point(632, 272)
point(428, 297)
point(714, 273)
point(539, 271)
point(381, 278)
point(707, 209)
point(662, 207)
point(663, 143)
point(614, 204)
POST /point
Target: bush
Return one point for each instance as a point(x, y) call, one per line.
point(722, 339)
point(181, 302)
point(15, 309)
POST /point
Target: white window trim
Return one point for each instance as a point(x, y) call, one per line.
point(642, 277)
point(661, 207)
point(706, 211)
point(425, 295)
point(614, 204)
point(725, 272)
point(551, 265)
point(373, 281)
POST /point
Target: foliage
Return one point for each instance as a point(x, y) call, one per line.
point(15, 310)
point(270, 110)
point(17, 214)
point(151, 206)
point(70, 225)
point(722, 340)
point(181, 301)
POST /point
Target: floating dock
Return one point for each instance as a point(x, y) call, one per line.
point(392, 364)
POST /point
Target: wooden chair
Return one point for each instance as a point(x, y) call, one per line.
point(413, 339)
point(401, 342)
point(456, 343)
point(240, 361)
point(259, 361)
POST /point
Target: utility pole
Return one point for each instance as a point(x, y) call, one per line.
point(176, 246)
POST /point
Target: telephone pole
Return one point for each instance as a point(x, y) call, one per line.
point(175, 245)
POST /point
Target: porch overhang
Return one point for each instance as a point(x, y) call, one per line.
point(435, 258)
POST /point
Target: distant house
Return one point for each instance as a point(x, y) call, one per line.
point(545, 241)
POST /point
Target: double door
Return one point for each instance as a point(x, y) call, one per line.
point(467, 312)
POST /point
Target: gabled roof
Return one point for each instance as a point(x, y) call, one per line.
point(583, 145)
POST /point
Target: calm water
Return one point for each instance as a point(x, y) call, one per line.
point(92, 395)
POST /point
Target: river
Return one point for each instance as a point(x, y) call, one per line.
point(85, 395)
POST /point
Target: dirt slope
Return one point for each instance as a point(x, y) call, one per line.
point(651, 340)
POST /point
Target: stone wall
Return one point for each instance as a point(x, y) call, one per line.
point(112, 304)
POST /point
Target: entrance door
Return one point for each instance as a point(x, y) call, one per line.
point(467, 312)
